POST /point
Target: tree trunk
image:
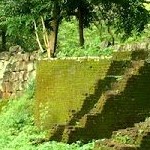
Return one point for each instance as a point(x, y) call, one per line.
point(54, 30)
point(81, 32)
point(3, 39)
point(110, 33)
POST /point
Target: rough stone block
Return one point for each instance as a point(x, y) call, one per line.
point(6, 95)
point(25, 76)
point(8, 86)
point(21, 73)
point(22, 66)
point(26, 57)
point(30, 66)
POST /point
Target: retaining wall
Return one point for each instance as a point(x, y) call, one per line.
point(17, 68)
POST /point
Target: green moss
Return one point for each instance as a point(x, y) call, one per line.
point(2, 104)
point(62, 86)
point(120, 56)
point(68, 91)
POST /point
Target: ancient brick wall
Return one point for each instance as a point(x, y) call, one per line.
point(86, 99)
point(17, 68)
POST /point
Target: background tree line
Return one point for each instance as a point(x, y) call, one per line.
point(26, 22)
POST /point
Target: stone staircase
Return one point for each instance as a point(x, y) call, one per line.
point(96, 122)
point(135, 138)
point(116, 88)
point(58, 133)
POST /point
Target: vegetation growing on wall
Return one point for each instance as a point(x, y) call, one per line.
point(72, 28)
point(19, 132)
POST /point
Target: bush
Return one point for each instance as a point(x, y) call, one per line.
point(18, 130)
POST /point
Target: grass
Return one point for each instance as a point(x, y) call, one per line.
point(18, 131)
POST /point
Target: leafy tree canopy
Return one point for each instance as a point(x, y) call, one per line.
point(124, 15)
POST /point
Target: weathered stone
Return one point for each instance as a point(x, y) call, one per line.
point(3, 87)
point(34, 65)
point(30, 66)
point(1, 65)
point(6, 95)
point(4, 56)
point(32, 74)
point(22, 66)
point(6, 76)
point(8, 86)
point(26, 57)
point(143, 46)
point(19, 57)
point(13, 60)
point(33, 56)
point(8, 67)
point(16, 78)
point(16, 86)
point(15, 67)
point(1, 81)
point(15, 49)
point(25, 76)
point(21, 73)
point(20, 86)
point(3, 69)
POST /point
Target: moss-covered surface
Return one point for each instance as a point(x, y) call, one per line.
point(89, 99)
point(118, 110)
point(63, 85)
point(135, 138)
point(2, 104)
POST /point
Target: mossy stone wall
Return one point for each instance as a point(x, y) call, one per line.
point(84, 99)
point(63, 85)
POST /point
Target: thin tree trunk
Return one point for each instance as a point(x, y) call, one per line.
point(54, 30)
point(3, 39)
point(110, 33)
point(81, 32)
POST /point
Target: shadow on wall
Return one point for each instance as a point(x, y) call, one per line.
point(117, 68)
point(120, 111)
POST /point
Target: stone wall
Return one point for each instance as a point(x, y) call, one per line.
point(16, 70)
point(17, 67)
point(87, 99)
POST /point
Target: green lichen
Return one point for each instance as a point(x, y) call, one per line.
point(62, 86)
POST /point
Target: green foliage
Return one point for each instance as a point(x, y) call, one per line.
point(125, 17)
point(19, 132)
point(133, 17)
point(68, 45)
point(114, 19)
point(124, 139)
point(71, 6)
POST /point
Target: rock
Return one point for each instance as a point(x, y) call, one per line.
point(30, 66)
point(15, 49)
point(15, 76)
point(8, 87)
point(22, 66)
point(25, 76)
point(32, 74)
point(6, 76)
point(33, 56)
point(4, 56)
point(1, 65)
point(26, 57)
point(21, 73)
point(16, 86)
point(6, 95)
